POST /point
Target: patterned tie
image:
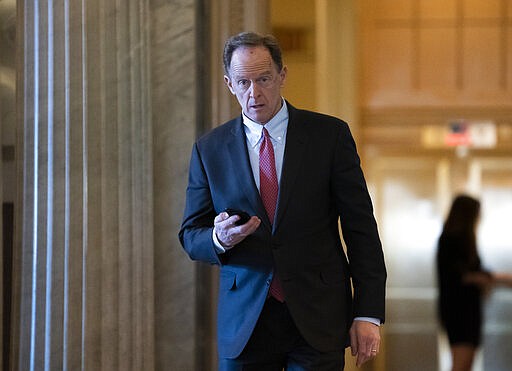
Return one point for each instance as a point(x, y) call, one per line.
point(269, 189)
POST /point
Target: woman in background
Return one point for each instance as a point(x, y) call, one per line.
point(462, 281)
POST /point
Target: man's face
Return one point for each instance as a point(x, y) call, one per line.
point(256, 82)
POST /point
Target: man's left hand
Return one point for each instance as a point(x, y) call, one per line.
point(364, 341)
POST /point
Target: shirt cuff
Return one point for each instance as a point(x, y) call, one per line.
point(375, 321)
point(218, 247)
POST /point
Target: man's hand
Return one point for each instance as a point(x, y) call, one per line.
point(364, 341)
point(228, 233)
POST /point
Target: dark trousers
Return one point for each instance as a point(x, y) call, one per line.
point(276, 344)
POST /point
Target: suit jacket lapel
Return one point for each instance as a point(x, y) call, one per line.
point(296, 139)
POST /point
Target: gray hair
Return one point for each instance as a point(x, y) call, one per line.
point(252, 39)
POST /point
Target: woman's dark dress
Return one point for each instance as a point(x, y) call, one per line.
point(460, 304)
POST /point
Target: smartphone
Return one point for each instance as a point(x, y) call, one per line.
point(244, 217)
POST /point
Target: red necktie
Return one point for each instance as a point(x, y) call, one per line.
point(269, 189)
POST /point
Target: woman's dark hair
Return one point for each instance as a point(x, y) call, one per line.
point(252, 39)
point(461, 222)
point(463, 215)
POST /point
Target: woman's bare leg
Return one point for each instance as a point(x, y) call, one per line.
point(462, 357)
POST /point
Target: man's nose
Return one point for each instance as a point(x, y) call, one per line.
point(254, 89)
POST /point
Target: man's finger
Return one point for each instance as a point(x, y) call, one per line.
point(353, 343)
point(221, 217)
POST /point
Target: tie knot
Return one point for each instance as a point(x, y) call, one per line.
point(265, 133)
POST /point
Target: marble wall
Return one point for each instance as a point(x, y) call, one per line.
point(173, 80)
point(84, 264)
point(111, 96)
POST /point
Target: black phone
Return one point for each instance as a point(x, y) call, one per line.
point(244, 217)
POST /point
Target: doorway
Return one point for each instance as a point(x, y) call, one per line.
point(412, 195)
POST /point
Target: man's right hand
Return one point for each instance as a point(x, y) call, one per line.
point(229, 234)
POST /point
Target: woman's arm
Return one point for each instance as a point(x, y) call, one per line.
point(482, 279)
point(503, 279)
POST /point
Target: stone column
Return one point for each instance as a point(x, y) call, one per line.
point(174, 106)
point(257, 16)
point(84, 269)
point(2, 314)
point(337, 60)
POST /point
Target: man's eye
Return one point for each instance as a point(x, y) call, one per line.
point(242, 83)
point(264, 80)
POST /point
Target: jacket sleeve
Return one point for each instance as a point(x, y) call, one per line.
point(359, 228)
point(197, 226)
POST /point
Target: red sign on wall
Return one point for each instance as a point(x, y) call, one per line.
point(475, 134)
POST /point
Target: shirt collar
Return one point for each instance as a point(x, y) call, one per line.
point(276, 127)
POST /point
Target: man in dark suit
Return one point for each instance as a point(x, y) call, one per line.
point(285, 293)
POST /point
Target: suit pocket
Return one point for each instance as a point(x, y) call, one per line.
point(227, 281)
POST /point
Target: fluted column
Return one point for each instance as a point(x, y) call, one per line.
point(84, 271)
point(337, 60)
point(174, 106)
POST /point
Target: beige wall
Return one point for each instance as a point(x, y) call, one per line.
point(436, 53)
point(294, 24)
point(425, 64)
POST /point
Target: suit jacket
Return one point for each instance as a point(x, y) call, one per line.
point(321, 183)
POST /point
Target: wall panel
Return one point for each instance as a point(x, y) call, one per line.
point(507, 40)
point(481, 59)
point(437, 62)
point(395, 70)
point(479, 9)
point(394, 9)
point(438, 9)
point(436, 53)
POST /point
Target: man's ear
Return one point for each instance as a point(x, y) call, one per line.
point(283, 74)
point(227, 80)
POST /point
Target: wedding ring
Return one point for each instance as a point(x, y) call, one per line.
point(374, 350)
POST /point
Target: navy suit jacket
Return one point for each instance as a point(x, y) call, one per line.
point(321, 183)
